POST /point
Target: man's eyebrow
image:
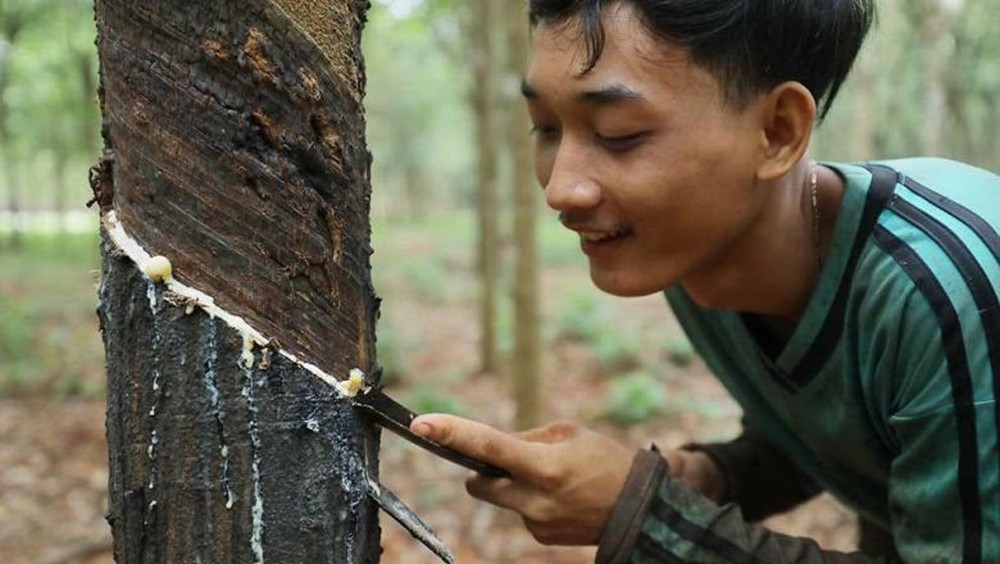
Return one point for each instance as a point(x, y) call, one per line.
point(611, 94)
point(608, 95)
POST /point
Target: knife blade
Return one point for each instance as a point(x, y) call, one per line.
point(410, 521)
point(395, 417)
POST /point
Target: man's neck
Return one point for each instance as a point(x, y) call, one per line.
point(773, 270)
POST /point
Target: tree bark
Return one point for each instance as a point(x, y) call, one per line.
point(526, 362)
point(485, 100)
point(234, 146)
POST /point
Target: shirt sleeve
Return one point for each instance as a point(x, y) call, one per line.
point(759, 478)
point(944, 480)
point(939, 419)
point(676, 524)
point(683, 526)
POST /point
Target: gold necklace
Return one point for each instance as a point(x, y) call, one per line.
point(813, 196)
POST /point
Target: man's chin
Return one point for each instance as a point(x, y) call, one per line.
point(622, 284)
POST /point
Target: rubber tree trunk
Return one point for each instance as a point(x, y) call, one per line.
point(526, 361)
point(486, 14)
point(234, 146)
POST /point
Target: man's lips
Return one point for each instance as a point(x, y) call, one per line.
point(597, 237)
point(602, 245)
point(593, 229)
point(592, 236)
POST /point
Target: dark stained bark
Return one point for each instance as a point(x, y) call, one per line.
point(214, 462)
point(234, 145)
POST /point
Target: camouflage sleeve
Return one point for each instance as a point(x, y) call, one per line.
point(660, 519)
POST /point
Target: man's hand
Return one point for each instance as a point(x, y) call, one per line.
point(564, 479)
point(699, 471)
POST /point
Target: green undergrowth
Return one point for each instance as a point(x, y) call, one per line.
point(588, 318)
point(48, 330)
point(641, 396)
point(428, 398)
point(635, 398)
point(680, 352)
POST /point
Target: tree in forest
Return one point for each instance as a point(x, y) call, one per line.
point(477, 49)
point(234, 147)
point(973, 86)
point(933, 21)
point(484, 95)
point(13, 20)
point(526, 356)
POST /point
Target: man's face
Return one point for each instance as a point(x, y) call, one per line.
point(642, 157)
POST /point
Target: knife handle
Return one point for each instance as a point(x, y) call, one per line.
point(449, 454)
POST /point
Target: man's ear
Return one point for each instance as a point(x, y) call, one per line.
point(788, 113)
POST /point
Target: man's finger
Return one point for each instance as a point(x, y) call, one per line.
point(550, 434)
point(479, 441)
point(509, 494)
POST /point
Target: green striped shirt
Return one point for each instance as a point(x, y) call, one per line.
point(886, 391)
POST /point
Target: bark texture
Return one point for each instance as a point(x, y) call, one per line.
point(239, 153)
point(234, 145)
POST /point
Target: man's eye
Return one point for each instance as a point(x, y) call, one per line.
point(620, 143)
point(544, 132)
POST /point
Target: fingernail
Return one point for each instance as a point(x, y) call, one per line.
point(422, 429)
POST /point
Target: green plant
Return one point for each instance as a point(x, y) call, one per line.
point(634, 398)
point(680, 352)
point(78, 386)
point(389, 354)
point(47, 324)
point(617, 349)
point(425, 399)
point(428, 279)
point(580, 316)
point(15, 330)
point(583, 317)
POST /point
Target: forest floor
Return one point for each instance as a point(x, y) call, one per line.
point(632, 379)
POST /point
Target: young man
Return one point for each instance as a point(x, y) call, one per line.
point(852, 312)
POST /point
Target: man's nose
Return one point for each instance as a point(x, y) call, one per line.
point(569, 188)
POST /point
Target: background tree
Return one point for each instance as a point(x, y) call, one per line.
point(526, 356)
point(933, 21)
point(234, 145)
point(48, 109)
point(12, 20)
point(485, 95)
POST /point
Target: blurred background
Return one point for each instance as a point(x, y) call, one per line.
point(443, 126)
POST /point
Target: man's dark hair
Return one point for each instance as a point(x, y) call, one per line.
point(751, 46)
